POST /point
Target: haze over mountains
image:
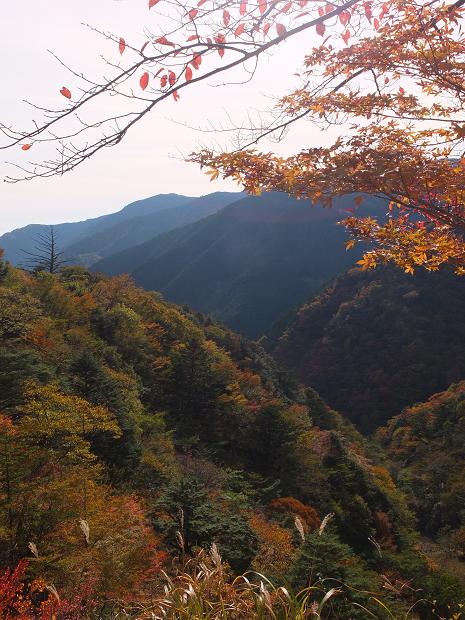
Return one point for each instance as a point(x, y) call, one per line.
point(245, 260)
point(88, 241)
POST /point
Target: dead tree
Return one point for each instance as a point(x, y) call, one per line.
point(46, 256)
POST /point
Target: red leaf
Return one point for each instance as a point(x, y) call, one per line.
point(176, 95)
point(171, 78)
point(220, 39)
point(243, 7)
point(266, 28)
point(344, 17)
point(188, 74)
point(401, 91)
point(239, 30)
point(321, 11)
point(193, 13)
point(196, 61)
point(200, 2)
point(303, 3)
point(328, 8)
point(376, 23)
point(226, 17)
point(320, 28)
point(286, 7)
point(144, 80)
point(26, 147)
point(152, 3)
point(368, 12)
point(262, 6)
point(346, 37)
point(66, 92)
point(193, 37)
point(122, 45)
point(281, 29)
point(163, 80)
point(164, 41)
point(386, 80)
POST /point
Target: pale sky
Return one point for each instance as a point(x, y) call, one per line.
point(142, 165)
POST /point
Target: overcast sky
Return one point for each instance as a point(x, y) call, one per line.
point(144, 164)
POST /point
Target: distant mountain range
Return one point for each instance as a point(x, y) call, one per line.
point(247, 261)
point(248, 264)
point(88, 241)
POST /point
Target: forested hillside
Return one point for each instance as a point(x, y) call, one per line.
point(250, 263)
point(425, 444)
point(133, 433)
point(375, 342)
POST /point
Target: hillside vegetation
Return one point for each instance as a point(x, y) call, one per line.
point(134, 434)
point(375, 342)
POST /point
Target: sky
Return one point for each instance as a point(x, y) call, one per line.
point(148, 161)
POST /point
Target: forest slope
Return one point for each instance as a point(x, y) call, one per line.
point(375, 342)
point(126, 420)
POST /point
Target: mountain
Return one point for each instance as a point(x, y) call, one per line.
point(248, 264)
point(87, 241)
point(135, 433)
point(145, 224)
point(375, 342)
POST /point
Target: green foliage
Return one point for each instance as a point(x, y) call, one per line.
point(119, 406)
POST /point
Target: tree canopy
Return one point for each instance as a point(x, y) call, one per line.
point(389, 73)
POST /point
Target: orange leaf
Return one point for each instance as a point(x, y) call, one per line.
point(226, 17)
point(144, 80)
point(152, 3)
point(358, 201)
point(176, 95)
point(280, 29)
point(188, 74)
point(26, 147)
point(122, 45)
point(171, 78)
point(66, 92)
point(163, 80)
point(239, 30)
point(320, 28)
point(262, 6)
point(243, 7)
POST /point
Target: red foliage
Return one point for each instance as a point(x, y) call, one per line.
point(307, 514)
point(22, 601)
